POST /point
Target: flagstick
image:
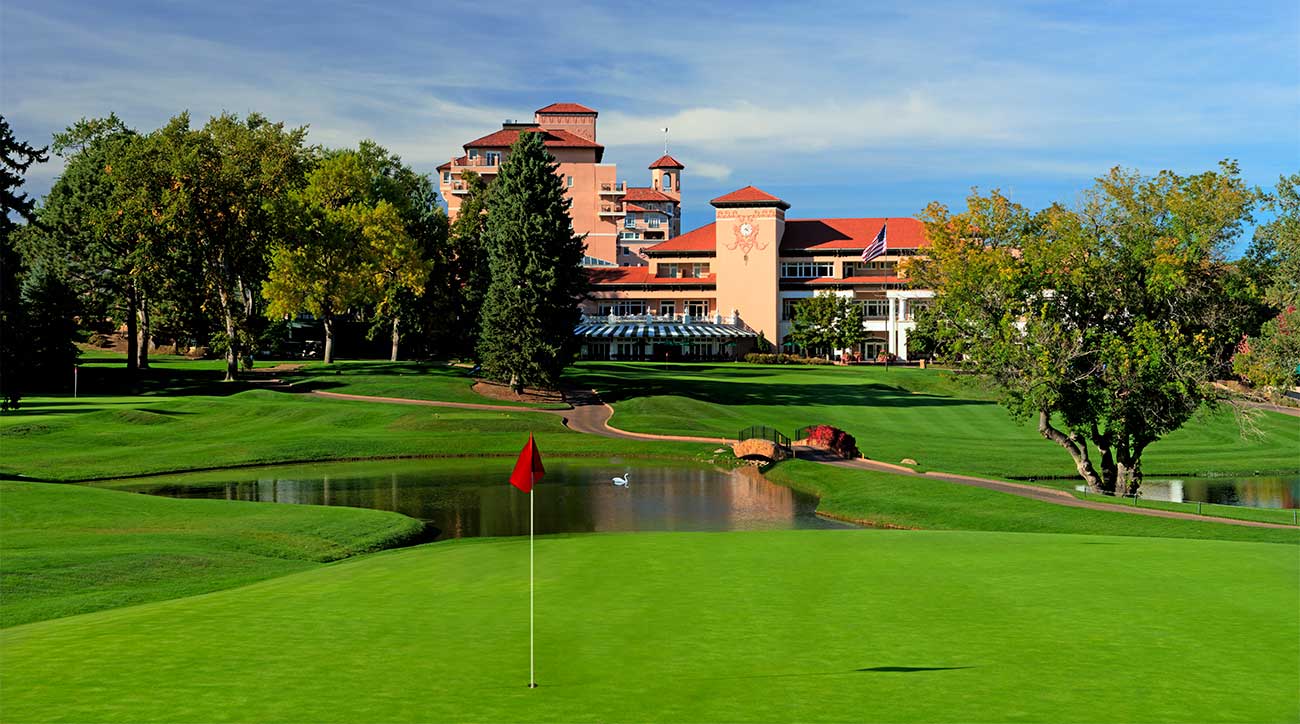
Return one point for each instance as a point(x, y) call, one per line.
point(532, 676)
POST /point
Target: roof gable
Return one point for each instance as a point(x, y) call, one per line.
point(567, 108)
point(666, 161)
point(749, 196)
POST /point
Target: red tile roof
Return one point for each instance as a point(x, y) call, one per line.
point(566, 108)
point(701, 239)
point(818, 234)
point(554, 138)
point(642, 193)
point(666, 161)
point(749, 195)
point(621, 275)
point(633, 207)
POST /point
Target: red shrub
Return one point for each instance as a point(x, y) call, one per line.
point(834, 439)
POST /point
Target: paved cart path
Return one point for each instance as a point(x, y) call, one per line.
point(589, 414)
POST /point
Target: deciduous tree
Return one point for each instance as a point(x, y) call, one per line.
point(827, 321)
point(1105, 322)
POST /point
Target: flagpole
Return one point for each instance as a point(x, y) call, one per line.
point(532, 676)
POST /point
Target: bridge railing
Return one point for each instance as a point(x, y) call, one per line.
point(763, 432)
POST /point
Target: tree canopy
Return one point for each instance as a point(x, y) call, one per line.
point(827, 321)
point(1105, 321)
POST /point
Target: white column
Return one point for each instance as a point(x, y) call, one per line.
point(902, 343)
point(892, 327)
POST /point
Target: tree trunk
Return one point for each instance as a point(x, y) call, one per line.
point(1076, 446)
point(232, 352)
point(132, 331)
point(142, 357)
point(329, 338)
point(396, 338)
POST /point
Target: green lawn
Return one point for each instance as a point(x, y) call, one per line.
point(101, 437)
point(69, 549)
point(903, 501)
point(762, 626)
point(942, 420)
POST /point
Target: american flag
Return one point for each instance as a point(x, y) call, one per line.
point(877, 245)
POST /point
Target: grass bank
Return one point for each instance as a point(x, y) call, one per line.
point(408, 380)
point(69, 549)
point(904, 501)
point(104, 437)
point(942, 420)
point(760, 626)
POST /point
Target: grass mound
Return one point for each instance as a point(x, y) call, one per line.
point(68, 549)
point(792, 625)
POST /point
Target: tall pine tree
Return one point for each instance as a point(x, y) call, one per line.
point(531, 308)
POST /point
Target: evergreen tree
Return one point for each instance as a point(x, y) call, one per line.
point(469, 272)
point(531, 307)
point(50, 312)
point(15, 158)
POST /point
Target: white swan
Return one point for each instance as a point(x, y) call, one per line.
point(623, 481)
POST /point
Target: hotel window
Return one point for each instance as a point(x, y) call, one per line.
point(668, 182)
point(493, 158)
point(629, 221)
point(875, 309)
point(628, 236)
point(652, 222)
point(807, 269)
point(667, 271)
point(623, 308)
point(787, 308)
point(446, 177)
point(667, 308)
point(473, 153)
point(697, 307)
point(570, 182)
point(695, 271)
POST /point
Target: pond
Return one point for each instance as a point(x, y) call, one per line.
point(467, 498)
point(1261, 491)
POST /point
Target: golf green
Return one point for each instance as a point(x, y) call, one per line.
point(860, 625)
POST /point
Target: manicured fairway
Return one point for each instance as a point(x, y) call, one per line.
point(888, 500)
point(934, 417)
point(67, 549)
point(65, 439)
point(409, 380)
point(795, 625)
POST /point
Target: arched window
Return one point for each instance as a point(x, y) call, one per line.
point(668, 182)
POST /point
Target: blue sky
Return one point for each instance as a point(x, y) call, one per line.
point(842, 109)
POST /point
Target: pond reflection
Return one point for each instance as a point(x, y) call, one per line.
point(1257, 492)
point(466, 500)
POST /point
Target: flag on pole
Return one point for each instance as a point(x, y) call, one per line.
point(528, 468)
point(877, 245)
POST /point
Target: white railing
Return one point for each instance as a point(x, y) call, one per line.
point(686, 319)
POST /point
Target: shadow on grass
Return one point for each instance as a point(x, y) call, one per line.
point(796, 675)
point(620, 384)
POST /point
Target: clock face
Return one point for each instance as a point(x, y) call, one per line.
point(746, 229)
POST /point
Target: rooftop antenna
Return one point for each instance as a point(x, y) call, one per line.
point(665, 140)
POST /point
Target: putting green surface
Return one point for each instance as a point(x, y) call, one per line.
point(795, 625)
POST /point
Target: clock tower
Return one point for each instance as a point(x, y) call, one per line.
point(749, 225)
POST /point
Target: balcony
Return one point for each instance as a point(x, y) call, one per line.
point(649, 318)
point(617, 188)
point(478, 164)
point(611, 210)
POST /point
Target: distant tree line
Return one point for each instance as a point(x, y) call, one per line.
point(219, 236)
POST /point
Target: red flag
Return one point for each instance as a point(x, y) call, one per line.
point(528, 468)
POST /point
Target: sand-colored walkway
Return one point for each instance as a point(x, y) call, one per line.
point(590, 414)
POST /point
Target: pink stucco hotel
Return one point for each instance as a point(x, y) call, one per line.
point(712, 291)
